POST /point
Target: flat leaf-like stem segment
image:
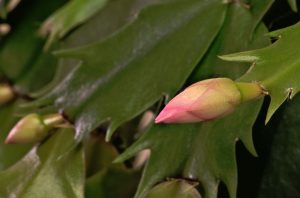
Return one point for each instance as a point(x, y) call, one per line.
point(123, 75)
point(203, 152)
point(275, 67)
point(206, 152)
point(48, 170)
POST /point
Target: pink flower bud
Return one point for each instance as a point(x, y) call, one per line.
point(207, 100)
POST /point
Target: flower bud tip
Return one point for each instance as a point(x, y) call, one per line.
point(158, 119)
point(34, 128)
point(162, 117)
point(29, 129)
point(204, 100)
point(9, 140)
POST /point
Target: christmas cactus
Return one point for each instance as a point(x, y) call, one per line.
point(149, 99)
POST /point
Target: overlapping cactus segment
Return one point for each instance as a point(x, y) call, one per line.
point(210, 146)
point(114, 80)
point(51, 160)
point(276, 67)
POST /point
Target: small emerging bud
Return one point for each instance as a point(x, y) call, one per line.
point(4, 29)
point(33, 128)
point(6, 93)
point(207, 100)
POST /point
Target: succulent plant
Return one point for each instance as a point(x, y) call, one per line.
point(149, 98)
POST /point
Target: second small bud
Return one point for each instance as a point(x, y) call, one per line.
point(33, 128)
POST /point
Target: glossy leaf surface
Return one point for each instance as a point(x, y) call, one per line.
point(51, 169)
point(211, 145)
point(102, 25)
point(119, 83)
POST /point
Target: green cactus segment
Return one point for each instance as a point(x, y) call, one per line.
point(9, 154)
point(91, 27)
point(211, 145)
point(293, 5)
point(235, 36)
point(103, 178)
point(48, 170)
point(174, 189)
point(115, 79)
point(211, 148)
point(21, 55)
point(275, 67)
point(68, 17)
